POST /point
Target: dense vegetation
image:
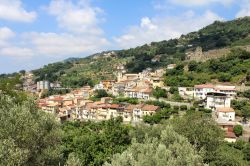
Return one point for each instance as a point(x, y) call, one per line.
point(220, 34)
point(234, 67)
point(30, 137)
point(82, 71)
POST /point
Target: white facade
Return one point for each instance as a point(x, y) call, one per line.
point(41, 85)
point(225, 114)
point(186, 92)
point(137, 94)
point(99, 86)
point(200, 91)
point(217, 100)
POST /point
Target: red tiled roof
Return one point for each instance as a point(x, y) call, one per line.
point(56, 99)
point(114, 106)
point(225, 109)
point(204, 86)
point(150, 107)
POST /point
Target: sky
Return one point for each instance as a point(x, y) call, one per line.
point(34, 33)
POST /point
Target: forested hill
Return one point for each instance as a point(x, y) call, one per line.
point(76, 72)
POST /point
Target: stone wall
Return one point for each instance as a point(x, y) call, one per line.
point(200, 56)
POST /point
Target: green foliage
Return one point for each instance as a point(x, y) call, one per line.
point(183, 107)
point(238, 130)
point(173, 90)
point(247, 94)
point(205, 110)
point(246, 152)
point(51, 72)
point(161, 104)
point(201, 131)
point(158, 92)
point(154, 55)
point(100, 93)
point(228, 156)
point(55, 92)
point(11, 87)
point(219, 34)
point(94, 143)
point(163, 114)
point(126, 100)
point(170, 149)
point(192, 66)
point(28, 136)
point(231, 68)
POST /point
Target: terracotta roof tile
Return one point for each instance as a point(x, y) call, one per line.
point(225, 109)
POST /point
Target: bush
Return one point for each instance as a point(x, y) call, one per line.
point(238, 130)
point(158, 92)
point(205, 110)
point(183, 107)
point(173, 90)
point(176, 108)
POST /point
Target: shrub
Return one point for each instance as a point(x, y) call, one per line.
point(238, 130)
point(183, 107)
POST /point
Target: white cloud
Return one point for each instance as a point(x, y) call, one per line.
point(17, 52)
point(200, 2)
point(13, 10)
point(83, 35)
point(53, 44)
point(245, 9)
point(78, 18)
point(159, 28)
point(6, 33)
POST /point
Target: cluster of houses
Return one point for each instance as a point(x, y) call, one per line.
point(77, 106)
point(218, 99)
point(138, 85)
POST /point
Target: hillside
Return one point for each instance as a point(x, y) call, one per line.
point(76, 72)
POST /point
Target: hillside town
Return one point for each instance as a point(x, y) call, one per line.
point(78, 104)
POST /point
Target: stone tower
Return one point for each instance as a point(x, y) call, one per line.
point(120, 71)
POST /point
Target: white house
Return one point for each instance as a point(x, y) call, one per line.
point(99, 86)
point(186, 92)
point(139, 93)
point(200, 91)
point(229, 90)
point(217, 100)
point(225, 114)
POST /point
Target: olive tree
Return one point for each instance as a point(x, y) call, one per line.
point(28, 136)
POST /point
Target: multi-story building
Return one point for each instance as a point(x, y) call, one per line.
point(200, 91)
point(217, 100)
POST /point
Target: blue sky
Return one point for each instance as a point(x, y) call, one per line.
point(34, 33)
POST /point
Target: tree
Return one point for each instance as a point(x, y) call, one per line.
point(246, 152)
point(158, 92)
point(228, 156)
point(73, 160)
point(245, 111)
point(192, 66)
point(101, 93)
point(247, 94)
point(28, 136)
point(238, 130)
point(201, 131)
point(171, 149)
point(224, 77)
point(173, 90)
point(94, 143)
